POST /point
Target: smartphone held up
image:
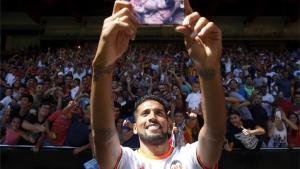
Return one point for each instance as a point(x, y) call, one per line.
point(158, 12)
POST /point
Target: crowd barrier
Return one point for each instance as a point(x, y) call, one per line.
point(16, 157)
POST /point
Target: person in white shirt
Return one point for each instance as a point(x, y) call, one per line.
point(75, 88)
point(79, 73)
point(228, 65)
point(10, 77)
point(194, 99)
point(267, 100)
point(7, 99)
point(204, 43)
point(69, 68)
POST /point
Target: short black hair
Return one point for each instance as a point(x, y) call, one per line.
point(77, 80)
point(117, 105)
point(234, 112)
point(152, 97)
point(29, 97)
point(46, 102)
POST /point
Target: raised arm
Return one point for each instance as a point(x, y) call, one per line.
point(117, 30)
point(203, 40)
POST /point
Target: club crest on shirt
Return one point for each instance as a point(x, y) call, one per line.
point(176, 165)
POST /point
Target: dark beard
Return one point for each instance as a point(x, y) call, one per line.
point(154, 140)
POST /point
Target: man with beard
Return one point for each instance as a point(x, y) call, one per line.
point(204, 44)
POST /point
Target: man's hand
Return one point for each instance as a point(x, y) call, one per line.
point(35, 149)
point(203, 40)
point(39, 128)
point(76, 151)
point(192, 115)
point(117, 30)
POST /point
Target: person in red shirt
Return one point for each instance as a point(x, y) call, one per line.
point(57, 126)
point(293, 136)
point(283, 103)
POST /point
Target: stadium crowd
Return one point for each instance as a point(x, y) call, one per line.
point(45, 96)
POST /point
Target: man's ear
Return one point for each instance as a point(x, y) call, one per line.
point(134, 129)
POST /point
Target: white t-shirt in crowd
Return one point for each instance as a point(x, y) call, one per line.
point(237, 71)
point(278, 138)
point(5, 101)
point(10, 79)
point(184, 158)
point(155, 67)
point(78, 75)
point(193, 100)
point(228, 65)
point(74, 92)
point(68, 69)
point(268, 106)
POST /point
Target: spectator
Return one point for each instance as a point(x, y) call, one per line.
point(57, 126)
point(5, 121)
point(11, 76)
point(34, 122)
point(7, 99)
point(259, 114)
point(183, 129)
point(22, 108)
point(296, 103)
point(75, 88)
point(79, 130)
point(244, 134)
point(267, 101)
point(285, 85)
point(242, 108)
point(249, 87)
point(278, 130)
point(259, 80)
point(194, 99)
point(38, 95)
point(293, 137)
point(13, 133)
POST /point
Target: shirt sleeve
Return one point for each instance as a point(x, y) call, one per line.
point(127, 158)
point(188, 98)
point(192, 150)
point(54, 116)
point(190, 155)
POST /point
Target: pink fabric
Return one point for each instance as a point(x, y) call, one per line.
point(12, 137)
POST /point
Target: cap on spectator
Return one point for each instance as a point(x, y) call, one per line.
point(60, 74)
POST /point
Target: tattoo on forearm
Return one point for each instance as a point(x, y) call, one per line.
point(105, 133)
point(207, 74)
point(98, 69)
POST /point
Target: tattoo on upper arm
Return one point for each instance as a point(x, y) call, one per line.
point(105, 133)
point(98, 69)
point(207, 74)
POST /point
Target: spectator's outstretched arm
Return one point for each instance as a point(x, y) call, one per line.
point(78, 150)
point(203, 40)
point(132, 96)
point(150, 89)
point(39, 143)
point(117, 30)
